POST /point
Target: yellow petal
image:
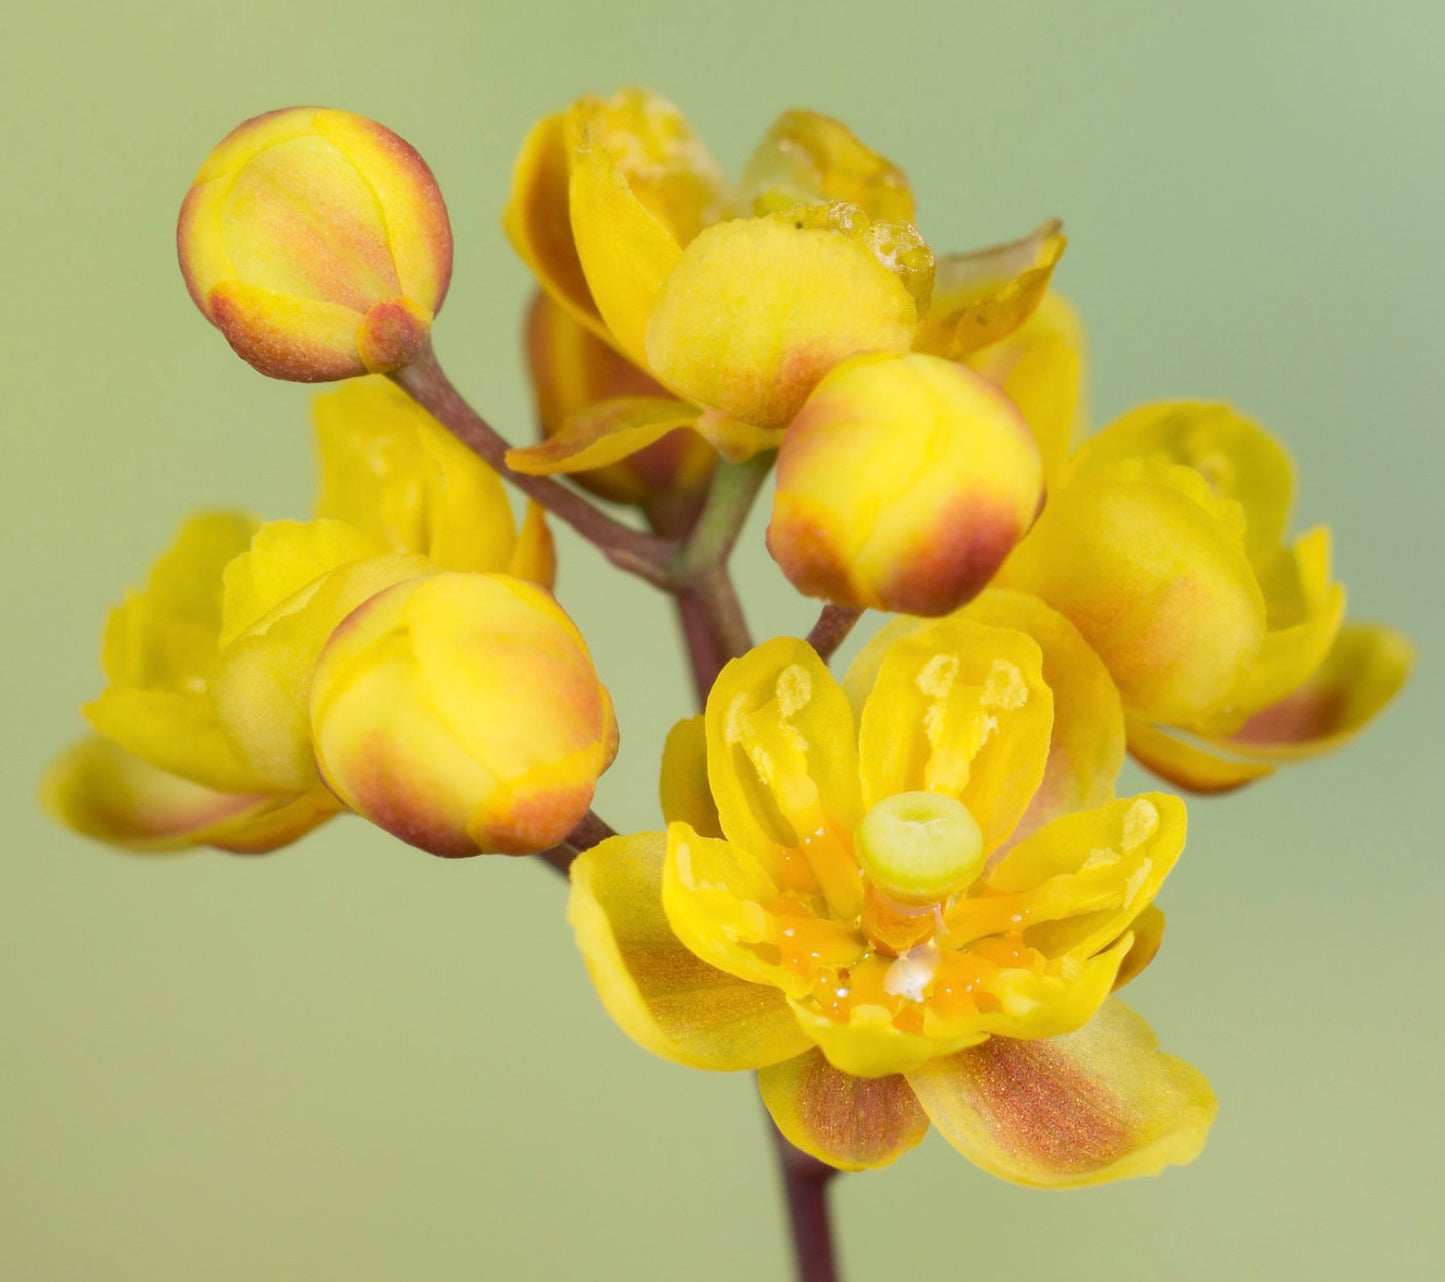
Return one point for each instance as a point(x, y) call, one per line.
point(1303, 611)
point(1158, 585)
point(852, 1123)
point(664, 163)
point(1040, 367)
point(810, 158)
point(869, 1044)
point(261, 686)
point(284, 557)
point(1148, 931)
point(662, 996)
point(390, 470)
point(1075, 886)
point(756, 311)
point(1099, 1104)
point(418, 233)
point(573, 370)
point(1190, 765)
point(1086, 746)
point(603, 433)
point(1363, 671)
point(1238, 458)
point(539, 226)
point(626, 253)
point(534, 557)
point(683, 787)
point(782, 756)
point(176, 732)
point(165, 635)
point(735, 440)
point(716, 895)
point(963, 709)
point(982, 298)
point(102, 791)
point(283, 336)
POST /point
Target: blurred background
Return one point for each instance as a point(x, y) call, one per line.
point(353, 1061)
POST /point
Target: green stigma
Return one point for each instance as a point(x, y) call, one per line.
point(920, 846)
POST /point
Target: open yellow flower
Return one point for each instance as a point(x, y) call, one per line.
point(203, 725)
point(1164, 542)
point(739, 301)
point(908, 902)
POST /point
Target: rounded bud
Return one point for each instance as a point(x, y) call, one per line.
point(902, 484)
point(318, 243)
point(462, 713)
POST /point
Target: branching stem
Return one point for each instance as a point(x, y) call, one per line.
point(644, 555)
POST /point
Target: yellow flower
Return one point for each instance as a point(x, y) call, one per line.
point(739, 302)
point(461, 713)
point(203, 724)
point(909, 905)
point(318, 243)
point(902, 484)
point(1164, 542)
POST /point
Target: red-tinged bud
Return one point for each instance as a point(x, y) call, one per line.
point(462, 713)
point(318, 243)
point(902, 485)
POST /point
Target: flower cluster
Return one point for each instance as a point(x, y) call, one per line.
point(272, 673)
point(905, 899)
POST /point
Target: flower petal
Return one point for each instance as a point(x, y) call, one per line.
point(1040, 367)
point(534, 557)
point(1190, 765)
point(284, 557)
point(964, 709)
point(663, 996)
point(174, 731)
point(868, 1043)
point(261, 686)
point(1075, 886)
point(665, 163)
point(757, 310)
point(390, 470)
point(810, 158)
point(1099, 1104)
point(852, 1123)
point(720, 901)
point(1363, 671)
point(626, 253)
point(1086, 745)
point(165, 635)
point(99, 790)
point(982, 298)
point(1158, 584)
point(782, 756)
point(683, 787)
point(1148, 931)
point(539, 226)
point(602, 434)
point(1237, 457)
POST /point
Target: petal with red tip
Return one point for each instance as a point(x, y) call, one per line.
point(852, 1123)
point(1099, 1104)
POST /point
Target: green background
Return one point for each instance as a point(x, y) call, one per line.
point(351, 1061)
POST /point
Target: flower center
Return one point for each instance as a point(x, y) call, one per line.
point(920, 847)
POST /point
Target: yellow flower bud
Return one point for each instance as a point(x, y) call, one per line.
point(902, 485)
point(462, 713)
point(318, 243)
